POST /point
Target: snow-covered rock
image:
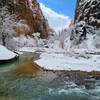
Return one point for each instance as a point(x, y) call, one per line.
point(6, 54)
point(88, 11)
point(87, 24)
point(81, 32)
point(85, 36)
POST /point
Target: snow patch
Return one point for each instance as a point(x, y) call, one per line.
point(6, 54)
point(27, 49)
point(55, 61)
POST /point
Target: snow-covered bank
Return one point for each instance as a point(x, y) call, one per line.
point(41, 49)
point(65, 62)
point(6, 54)
point(28, 49)
point(59, 59)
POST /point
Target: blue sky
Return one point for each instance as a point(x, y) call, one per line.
point(65, 7)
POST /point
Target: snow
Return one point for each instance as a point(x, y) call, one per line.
point(83, 58)
point(41, 49)
point(54, 50)
point(6, 54)
point(27, 49)
point(87, 51)
point(61, 61)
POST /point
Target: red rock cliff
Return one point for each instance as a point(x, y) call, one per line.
point(29, 15)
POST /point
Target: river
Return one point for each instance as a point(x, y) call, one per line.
point(45, 86)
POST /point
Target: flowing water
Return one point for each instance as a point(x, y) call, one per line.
point(38, 88)
point(24, 58)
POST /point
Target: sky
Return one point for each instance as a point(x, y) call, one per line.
point(56, 21)
point(65, 7)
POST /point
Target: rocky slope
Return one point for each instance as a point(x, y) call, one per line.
point(87, 23)
point(27, 15)
point(88, 11)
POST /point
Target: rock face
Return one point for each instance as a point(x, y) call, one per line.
point(86, 22)
point(88, 11)
point(28, 16)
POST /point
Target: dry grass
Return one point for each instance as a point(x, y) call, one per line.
point(26, 69)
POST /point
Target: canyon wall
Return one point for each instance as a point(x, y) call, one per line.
point(27, 16)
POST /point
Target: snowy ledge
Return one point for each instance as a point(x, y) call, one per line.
point(6, 54)
point(62, 62)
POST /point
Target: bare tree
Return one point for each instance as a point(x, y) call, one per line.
point(36, 38)
point(62, 37)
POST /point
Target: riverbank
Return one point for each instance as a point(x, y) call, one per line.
point(59, 59)
point(32, 69)
point(82, 64)
point(32, 55)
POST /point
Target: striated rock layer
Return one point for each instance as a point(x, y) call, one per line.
point(28, 16)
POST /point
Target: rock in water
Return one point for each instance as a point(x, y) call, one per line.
point(28, 16)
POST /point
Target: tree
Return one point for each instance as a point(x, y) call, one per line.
point(36, 38)
point(62, 37)
point(6, 26)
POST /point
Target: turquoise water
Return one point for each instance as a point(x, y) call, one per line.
point(34, 88)
point(26, 57)
point(37, 88)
